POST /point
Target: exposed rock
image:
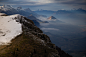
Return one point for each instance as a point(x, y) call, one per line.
point(31, 43)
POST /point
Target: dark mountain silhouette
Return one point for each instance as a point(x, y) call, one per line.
point(35, 20)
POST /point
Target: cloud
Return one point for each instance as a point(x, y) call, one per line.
point(39, 2)
point(47, 4)
point(78, 2)
point(3, 0)
point(71, 2)
point(23, 2)
point(49, 29)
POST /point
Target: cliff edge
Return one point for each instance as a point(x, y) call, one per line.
point(31, 42)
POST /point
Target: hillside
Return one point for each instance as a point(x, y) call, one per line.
point(32, 42)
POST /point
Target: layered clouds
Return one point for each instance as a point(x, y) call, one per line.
point(47, 4)
point(49, 29)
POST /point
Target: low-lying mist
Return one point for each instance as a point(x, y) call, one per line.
point(68, 31)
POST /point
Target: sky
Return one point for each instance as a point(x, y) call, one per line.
point(46, 4)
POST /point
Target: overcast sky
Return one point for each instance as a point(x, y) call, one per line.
point(46, 4)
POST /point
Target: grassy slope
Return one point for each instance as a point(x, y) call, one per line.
point(25, 46)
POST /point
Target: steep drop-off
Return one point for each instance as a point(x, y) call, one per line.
point(31, 43)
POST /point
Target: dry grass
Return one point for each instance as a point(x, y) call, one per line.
point(24, 46)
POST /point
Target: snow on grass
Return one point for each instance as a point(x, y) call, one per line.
point(9, 28)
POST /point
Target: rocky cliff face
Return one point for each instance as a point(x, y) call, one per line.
point(31, 43)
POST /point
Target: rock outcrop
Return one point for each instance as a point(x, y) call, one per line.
point(31, 43)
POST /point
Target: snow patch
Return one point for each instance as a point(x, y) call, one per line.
point(1, 14)
point(9, 28)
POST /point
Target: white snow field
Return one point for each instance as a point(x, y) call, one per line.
point(9, 28)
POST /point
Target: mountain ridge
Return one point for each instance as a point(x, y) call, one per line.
point(75, 11)
point(9, 10)
point(31, 43)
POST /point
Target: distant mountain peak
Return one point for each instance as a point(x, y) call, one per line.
point(19, 7)
point(7, 6)
point(51, 17)
point(9, 10)
point(27, 9)
point(31, 15)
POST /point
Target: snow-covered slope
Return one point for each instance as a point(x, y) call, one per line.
point(9, 28)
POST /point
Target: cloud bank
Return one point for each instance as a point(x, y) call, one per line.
point(46, 29)
point(47, 4)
